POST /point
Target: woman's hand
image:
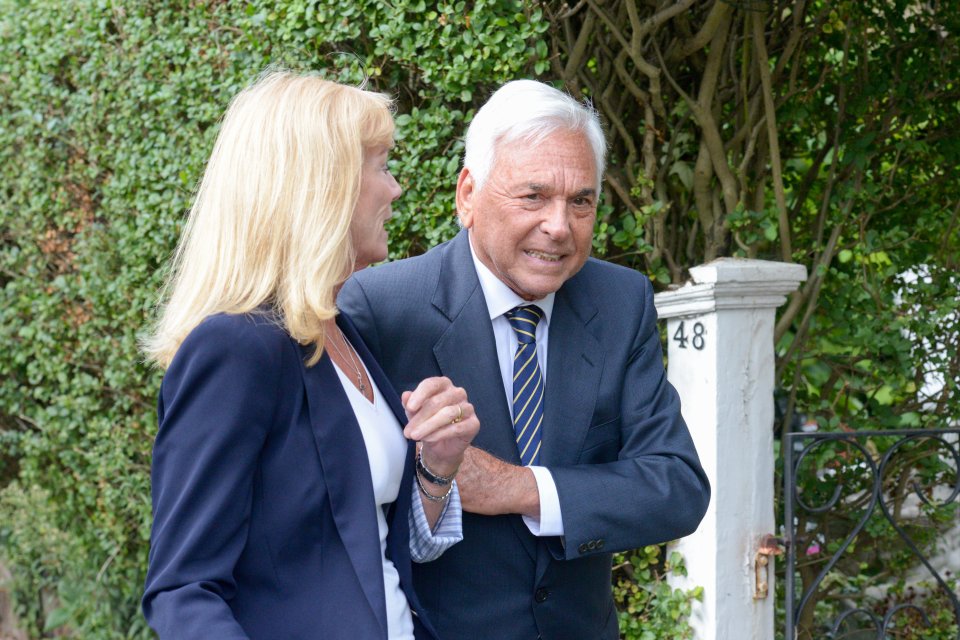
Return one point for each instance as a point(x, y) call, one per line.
point(441, 418)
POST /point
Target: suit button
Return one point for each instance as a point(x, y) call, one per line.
point(541, 595)
point(592, 545)
point(582, 548)
point(599, 544)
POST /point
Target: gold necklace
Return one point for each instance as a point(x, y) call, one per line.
point(354, 362)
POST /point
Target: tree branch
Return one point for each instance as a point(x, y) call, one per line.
point(718, 17)
point(763, 63)
point(579, 49)
point(653, 23)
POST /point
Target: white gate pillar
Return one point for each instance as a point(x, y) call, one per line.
point(721, 360)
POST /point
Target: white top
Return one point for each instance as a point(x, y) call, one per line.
point(387, 451)
point(500, 298)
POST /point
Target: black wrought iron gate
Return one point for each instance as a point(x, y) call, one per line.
point(864, 515)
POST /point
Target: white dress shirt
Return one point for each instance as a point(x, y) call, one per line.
point(500, 299)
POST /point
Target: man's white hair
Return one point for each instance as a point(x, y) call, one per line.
point(530, 111)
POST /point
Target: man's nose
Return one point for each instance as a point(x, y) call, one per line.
point(556, 219)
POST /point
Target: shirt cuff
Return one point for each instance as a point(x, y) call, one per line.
point(427, 545)
point(550, 522)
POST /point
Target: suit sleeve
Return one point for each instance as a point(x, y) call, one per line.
point(656, 490)
point(217, 403)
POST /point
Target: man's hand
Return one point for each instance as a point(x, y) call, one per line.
point(491, 487)
point(444, 423)
point(442, 420)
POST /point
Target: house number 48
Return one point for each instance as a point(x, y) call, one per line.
point(696, 338)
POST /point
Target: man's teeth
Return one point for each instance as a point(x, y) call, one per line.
point(551, 257)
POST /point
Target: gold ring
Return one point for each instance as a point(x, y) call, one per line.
point(459, 415)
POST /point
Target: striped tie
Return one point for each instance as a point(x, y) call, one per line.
point(527, 383)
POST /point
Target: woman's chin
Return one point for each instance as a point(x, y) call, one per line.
point(370, 257)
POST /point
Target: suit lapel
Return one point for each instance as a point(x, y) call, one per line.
point(398, 537)
point(574, 365)
point(346, 472)
point(393, 401)
point(467, 352)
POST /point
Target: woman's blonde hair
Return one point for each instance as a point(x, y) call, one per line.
point(271, 221)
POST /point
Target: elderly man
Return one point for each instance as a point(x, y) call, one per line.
point(582, 450)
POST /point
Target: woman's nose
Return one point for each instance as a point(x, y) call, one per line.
point(396, 190)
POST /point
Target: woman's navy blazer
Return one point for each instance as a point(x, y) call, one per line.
point(264, 516)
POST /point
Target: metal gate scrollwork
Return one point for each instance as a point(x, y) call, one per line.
point(865, 513)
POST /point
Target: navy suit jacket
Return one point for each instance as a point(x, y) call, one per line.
point(625, 467)
point(264, 517)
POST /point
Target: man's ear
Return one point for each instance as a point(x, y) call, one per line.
point(466, 192)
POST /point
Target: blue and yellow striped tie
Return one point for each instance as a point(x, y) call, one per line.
point(527, 383)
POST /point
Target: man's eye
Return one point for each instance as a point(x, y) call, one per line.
point(532, 196)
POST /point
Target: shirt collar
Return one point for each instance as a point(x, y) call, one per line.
point(501, 298)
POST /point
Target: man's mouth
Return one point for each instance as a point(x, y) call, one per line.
point(540, 255)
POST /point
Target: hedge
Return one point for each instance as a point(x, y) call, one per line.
point(109, 110)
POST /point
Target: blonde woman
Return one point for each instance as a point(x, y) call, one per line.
point(289, 496)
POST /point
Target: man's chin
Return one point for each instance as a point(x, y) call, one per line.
point(531, 290)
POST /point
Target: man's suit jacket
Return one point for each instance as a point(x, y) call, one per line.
point(625, 467)
point(264, 516)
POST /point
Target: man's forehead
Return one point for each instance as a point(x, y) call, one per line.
point(545, 141)
point(569, 144)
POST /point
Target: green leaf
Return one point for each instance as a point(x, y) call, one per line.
point(541, 48)
point(56, 618)
point(884, 395)
point(684, 172)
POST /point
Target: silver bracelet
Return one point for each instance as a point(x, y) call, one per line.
point(429, 496)
point(429, 475)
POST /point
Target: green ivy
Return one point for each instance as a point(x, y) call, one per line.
point(649, 607)
point(109, 111)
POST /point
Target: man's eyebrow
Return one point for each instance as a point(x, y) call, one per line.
point(537, 187)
